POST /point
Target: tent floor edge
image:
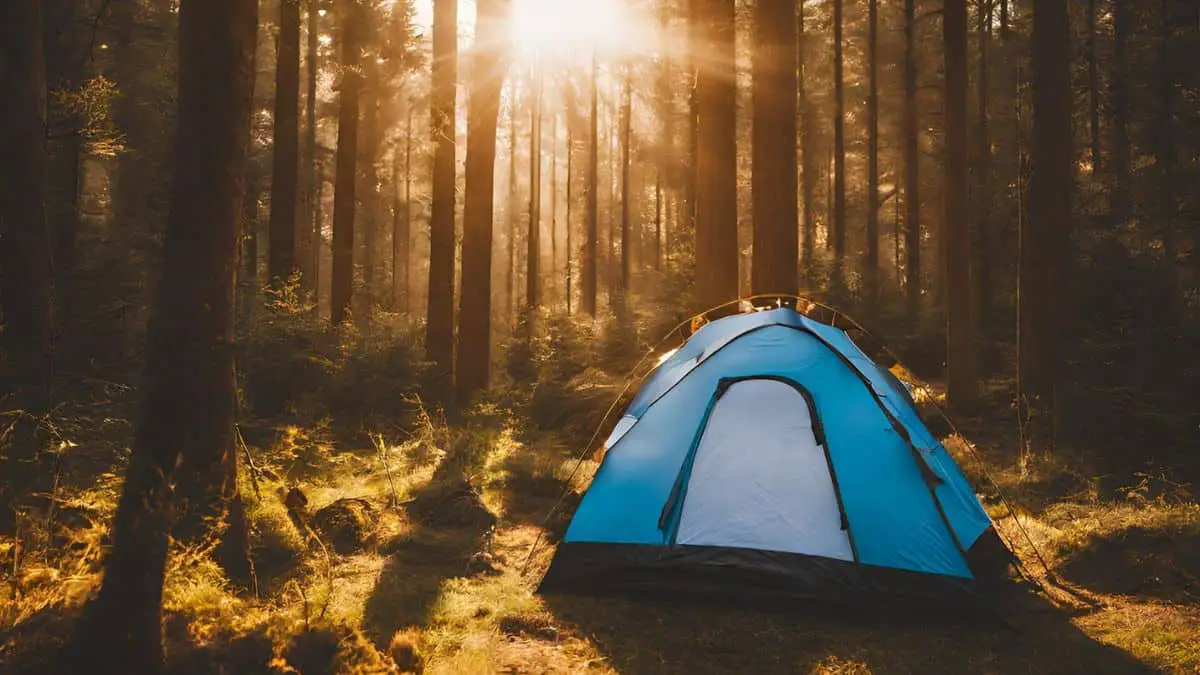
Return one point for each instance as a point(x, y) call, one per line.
point(747, 576)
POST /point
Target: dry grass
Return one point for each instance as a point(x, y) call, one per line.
point(452, 599)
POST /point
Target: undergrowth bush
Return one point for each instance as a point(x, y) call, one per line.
point(294, 362)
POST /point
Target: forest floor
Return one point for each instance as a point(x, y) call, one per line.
point(433, 576)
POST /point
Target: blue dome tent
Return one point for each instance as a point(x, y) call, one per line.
point(770, 456)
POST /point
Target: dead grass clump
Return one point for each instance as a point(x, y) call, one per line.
point(405, 650)
point(452, 502)
point(539, 626)
point(348, 523)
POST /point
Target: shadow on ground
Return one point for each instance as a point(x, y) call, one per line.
point(676, 636)
point(1138, 561)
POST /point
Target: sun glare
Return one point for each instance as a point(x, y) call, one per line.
point(563, 28)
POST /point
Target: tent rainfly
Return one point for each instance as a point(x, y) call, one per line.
point(769, 456)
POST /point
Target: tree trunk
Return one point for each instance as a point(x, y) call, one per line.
point(982, 254)
point(439, 330)
point(773, 189)
point(716, 159)
point(588, 262)
point(347, 165)
point(309, 241)
point(402, 219)
point(912, 165)
point(626, 137)
point(533, 252)
point(475, 311)
point(962, 375)
point(25, 256)
point(554, 205)
point(1045, 234)
point(511, 272)
point(571, 121)
point(695, 40)
point(184, 451)
point(839, 142)
point(872, 271)
point(1165, 151)
point(281, 249)
point(1119, 200)
point(369, 193)
point(808, 169)
point(1093, 87)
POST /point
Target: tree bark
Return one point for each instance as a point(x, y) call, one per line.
point(510, 273)
point(281, 250)
point(872, 271)
point(439, 330)
point(1119, 200)
point(533, 241)
point(588, 262)
point(912, 165)
point(1045, 234)
point(309, 241)
point(839, 142)
point(716, 159)
point(626, 137)
point(475, 311)
point(982, 172)
point(184, 453)
point(808, 169)
point(1093, 87)
point(962, 375)
point(571, 121)
point(402, 219)
point(25, 255)
point(368, 215)
point(1165, 150)
point(344, 197)
point(773, 188)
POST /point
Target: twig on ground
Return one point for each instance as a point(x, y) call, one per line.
point(381, 446)
point(254, 470)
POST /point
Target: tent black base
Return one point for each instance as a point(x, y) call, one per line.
point(747, 576)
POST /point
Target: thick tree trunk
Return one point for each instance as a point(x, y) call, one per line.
point(1045, 234)
point(912, 165)
point(439, 331)
point(344, 185)
point(872, 265)
point(475, 315)
point(588, 265)
point(962, 376)
point(839, 142)
point(184, 451)
point(773, 189)
point(1119, 200)
point(281, 250)
point(808, 169)
point(25, 256)
point(1165, 150)
point(533, 241)
point(716, 159)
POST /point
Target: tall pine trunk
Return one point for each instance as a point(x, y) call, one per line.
point(589, 276)
point(533, 251)
point(475, 315)
point(25, 286)
point(309, 242)
point(402, 222)
point(983, 184)
point(510, 272)
point(839, 142)
point(961, 386)
point(872, 265)
point(342, 279)
point(368, 215)
point(773, 189)
point(626, 136)
point(716, 159)
point(808, 169)
point(1093, 87)
point(912, 165)
point(281, 248)
point(1045, 234)
point(184, 453)
point(1119, 200)
point(439, 329)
